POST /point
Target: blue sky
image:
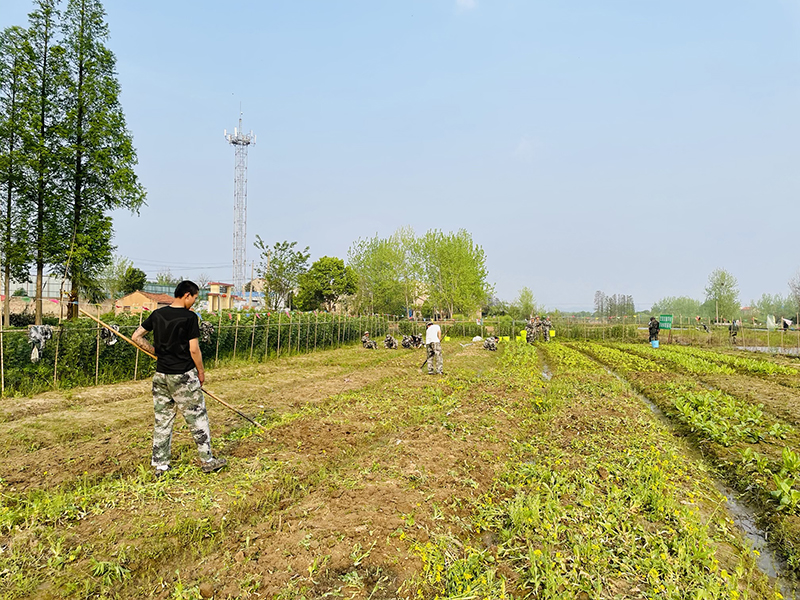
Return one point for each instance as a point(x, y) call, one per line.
point(630, 147)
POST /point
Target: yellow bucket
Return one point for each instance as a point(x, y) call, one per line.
point(552, 333)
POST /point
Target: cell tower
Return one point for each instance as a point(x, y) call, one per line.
point(240, 141)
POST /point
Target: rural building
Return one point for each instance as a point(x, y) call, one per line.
point(220, 296)
point(137, 301)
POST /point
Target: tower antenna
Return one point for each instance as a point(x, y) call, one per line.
point(240, 141)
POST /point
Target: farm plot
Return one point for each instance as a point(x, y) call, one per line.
point(374, 481)
point(754, 443)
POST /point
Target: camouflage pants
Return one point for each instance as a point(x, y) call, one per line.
point(170, 393)
point(435, 354)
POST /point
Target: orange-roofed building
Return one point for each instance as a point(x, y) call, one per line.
point(138, 301)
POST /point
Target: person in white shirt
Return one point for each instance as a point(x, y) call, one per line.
point(433, 344)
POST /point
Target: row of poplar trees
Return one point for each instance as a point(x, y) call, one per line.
point(66, 156)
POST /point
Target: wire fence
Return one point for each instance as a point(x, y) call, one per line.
point(78, 355)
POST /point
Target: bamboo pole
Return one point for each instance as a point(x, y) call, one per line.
point(280, 318)
point(97, 354)
point(2, 364)
point(236, 335)
point(266, 339)
point(136, 364)
point(219, 335)
point(253, 337)
point(316, 324)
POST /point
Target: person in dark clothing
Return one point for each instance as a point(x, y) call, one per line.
point(653, 328)
point(733, 330)
point(179, 377)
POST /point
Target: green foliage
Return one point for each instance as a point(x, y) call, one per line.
point(237, 336)
point(386, 273)
point(454, 270)
point(776, 305)
point(112, 278)
point(678, 306)
point(14, 212)
point(722, 294)
point(280, 267)
point(524, 305)
point(99, 156)
point(324, 283)
point(133, 280)
point(618, 305)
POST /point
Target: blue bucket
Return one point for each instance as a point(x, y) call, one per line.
point(654, 343)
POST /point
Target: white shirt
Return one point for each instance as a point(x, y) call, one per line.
point(432, 334)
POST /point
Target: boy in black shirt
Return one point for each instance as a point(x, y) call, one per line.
point(178, 378)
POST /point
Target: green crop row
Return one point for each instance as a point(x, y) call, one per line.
point(618, 360)
point(591, 503)
point(686, 362)
point(754, 366)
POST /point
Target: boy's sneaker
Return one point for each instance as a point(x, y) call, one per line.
point(159, 472)
point(215, 464)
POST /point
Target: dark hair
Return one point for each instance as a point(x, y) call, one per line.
point(186, 287)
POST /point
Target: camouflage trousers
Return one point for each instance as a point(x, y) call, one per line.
point(171, 393)
point(435, 355)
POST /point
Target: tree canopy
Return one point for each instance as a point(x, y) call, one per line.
point(722, 294)
point(324, 284)
point(280, 267)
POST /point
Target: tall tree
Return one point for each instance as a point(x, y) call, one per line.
point(113, 275)
point(280, 267)
point(722, 292)
point(14, 238)
point(99, 153)
point(681, 306)
point(378, 265)
point(524, 305)
point(133, 280)
point(455, 271)
point(324, 283)
point(44, 105)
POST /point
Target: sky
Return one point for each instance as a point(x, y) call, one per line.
point(623, 146)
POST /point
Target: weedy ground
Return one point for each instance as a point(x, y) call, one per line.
point(373, 480)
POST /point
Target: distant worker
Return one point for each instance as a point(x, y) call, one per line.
point(389, 342)
point(179, 377)
point(532, 330)
point(653, 328)
point(368, 343)
point(490, 343)
point(733, 330)
point(433, 344)
point(546, 325)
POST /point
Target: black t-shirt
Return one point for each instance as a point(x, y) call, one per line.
point(172, 329)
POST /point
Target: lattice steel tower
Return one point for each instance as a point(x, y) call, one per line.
point(240, 141)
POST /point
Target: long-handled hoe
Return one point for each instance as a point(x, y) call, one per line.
point(153, 356)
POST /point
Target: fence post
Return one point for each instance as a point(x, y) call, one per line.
point(316, 324)
point(299, 331)
point(308, 332)
point(266, 339)
point(2, 364)
point(236, 334)
point(289, 343)
point(253, 336)
point(55, 363)
point(136, 363)
point(280, 319)
point(219, 335)
point(97, 354)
